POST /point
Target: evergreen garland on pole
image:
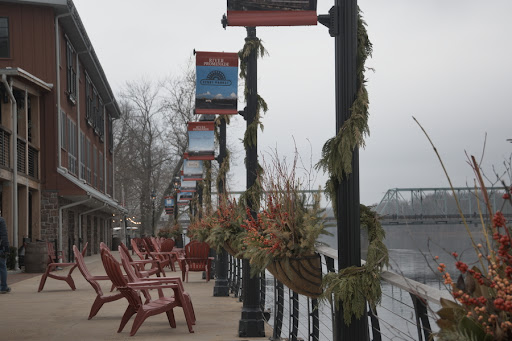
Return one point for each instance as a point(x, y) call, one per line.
point(355, 285)
point(251, 133)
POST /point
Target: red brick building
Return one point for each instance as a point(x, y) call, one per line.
point(56, 116)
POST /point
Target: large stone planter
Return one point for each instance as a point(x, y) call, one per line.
point(302, 275)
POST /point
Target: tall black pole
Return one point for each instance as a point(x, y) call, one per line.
point(349, 243)
point(221, 283)
point(251, 324)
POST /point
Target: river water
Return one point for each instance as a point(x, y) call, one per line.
point(412, 249)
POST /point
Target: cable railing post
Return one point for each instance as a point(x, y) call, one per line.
point(422, 322)
point(375, 324)
point(314, 321)
point(294, 317)
point(278, 309)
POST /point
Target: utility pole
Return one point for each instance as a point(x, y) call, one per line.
point(221, 282)
point(251, 324)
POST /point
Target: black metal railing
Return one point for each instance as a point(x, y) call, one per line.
point(22, 156)
point(5, 147)
point(33, 162)
point(404, 313)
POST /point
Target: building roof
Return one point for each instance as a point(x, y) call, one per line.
point(75, 31)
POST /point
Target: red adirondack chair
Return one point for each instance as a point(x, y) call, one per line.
point(166, 258)
point(156, 266)
point(196, 259)
point(93, 281)
point(53, 263)
point(131, 292)
point(182, 299)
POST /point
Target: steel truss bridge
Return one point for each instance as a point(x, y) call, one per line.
point(438, 205)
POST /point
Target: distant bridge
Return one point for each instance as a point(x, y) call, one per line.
point(438, 205)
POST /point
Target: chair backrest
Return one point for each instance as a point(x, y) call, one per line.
point(148, 244)
point(128, 268)
point(155, 245)
point(125, 249)
point(79, 258)
point(167, 245)
point(197, 250)
point(135, 247)
point(113, 270)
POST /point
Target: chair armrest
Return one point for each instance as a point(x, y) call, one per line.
point(147, 285)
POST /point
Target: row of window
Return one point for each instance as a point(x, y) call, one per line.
point(94, 107)
point(91, 160)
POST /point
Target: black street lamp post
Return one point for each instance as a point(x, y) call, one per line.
point(153, 199)
point(251, 324)
point(221, 282)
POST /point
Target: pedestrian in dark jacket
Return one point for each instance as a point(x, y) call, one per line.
point(4, 250)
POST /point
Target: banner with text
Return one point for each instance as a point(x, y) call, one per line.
point(201, 140)
point(271, 12)
point(169, 205)
point(216, 83)
point(185, 196)
point(192, 170)
point(187, 186)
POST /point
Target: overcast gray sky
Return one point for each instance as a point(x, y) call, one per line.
point(446, 62)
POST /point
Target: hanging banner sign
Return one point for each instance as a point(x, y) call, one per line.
point(185, 196)
point(187, 186)
point(253, 13)
point(192, 170)
point(201, 140)
point(216, 83)
point(183, 202)
point(169, 205)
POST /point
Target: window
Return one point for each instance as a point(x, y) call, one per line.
point(71, 72)
point(95, 166)
point(101, 184)
point(63, 125)
point(100, 119)
point(4, 38)
point(82, 155)
point(110, 134)
point(72, 147)
point(88, 161)
point(88, 98)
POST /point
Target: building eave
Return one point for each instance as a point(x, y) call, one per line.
point(18, 72)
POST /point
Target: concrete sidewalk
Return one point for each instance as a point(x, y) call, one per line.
point(58, 313)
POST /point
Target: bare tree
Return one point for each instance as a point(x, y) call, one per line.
point(142, 157)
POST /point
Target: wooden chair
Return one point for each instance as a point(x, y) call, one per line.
point(196, 259)
point(93, 281)
point(156, 266)
point(53, 263)
point(164, 257)
point(182, 299)
point(168, 246)
point(139, 250)
point(131, 292)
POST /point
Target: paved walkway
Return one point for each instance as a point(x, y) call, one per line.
point(58, 313)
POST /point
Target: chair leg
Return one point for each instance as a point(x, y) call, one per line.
point(43, 279)
point(126, 317)
point(139, 319)
point(96, 306)
point(170, 317)
point(70, 281)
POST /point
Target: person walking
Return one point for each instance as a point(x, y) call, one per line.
point(4, 250)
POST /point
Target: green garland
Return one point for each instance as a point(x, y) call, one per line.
point(354, 286)
point(207, 195)
point(251, 133)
